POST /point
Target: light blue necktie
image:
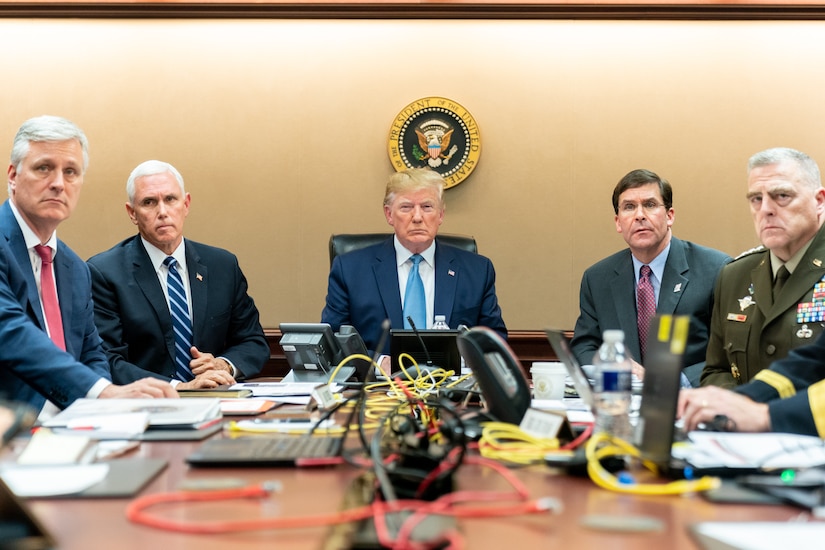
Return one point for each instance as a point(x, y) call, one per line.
point(415, 303)
point(179, 308)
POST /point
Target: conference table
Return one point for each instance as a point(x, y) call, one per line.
point(83, 524)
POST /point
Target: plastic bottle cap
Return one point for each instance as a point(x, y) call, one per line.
point(613, 336)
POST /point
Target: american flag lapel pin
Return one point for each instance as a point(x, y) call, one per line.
point(451, 273)
point(198, 276)
point(678, 287)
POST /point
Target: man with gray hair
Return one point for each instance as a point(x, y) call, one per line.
point(771, 299)
point(50, 353)
point(170, 307)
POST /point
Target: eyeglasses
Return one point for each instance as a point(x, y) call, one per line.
point(629, 208)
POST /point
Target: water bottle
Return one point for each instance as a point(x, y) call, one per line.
point(613, 386)
point(440, 323)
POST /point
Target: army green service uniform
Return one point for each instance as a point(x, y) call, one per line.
point(749, 329)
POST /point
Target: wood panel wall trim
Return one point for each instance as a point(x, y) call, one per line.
point(423, 9)
point(528, 345)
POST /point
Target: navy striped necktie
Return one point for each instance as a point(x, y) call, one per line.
point(179, 308)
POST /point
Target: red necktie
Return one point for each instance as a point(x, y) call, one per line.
point(646, 300)
point(48, 293)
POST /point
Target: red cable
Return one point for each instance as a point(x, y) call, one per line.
point(135, 511)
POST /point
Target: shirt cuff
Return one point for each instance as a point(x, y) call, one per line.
point(98, 387)
point(232, 370)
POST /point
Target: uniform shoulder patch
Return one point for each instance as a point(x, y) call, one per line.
point(753, 250)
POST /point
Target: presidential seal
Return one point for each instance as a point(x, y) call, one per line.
point(437, 133)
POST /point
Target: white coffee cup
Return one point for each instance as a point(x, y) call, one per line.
point(548, 380)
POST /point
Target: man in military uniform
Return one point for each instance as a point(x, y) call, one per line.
point(787, 397)
point(771, 300)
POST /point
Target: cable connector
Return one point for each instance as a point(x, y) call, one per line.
point(549, 504)
point(272, 486)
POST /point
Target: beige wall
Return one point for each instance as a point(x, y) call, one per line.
point(280, 129)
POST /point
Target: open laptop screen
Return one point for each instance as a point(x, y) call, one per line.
point(436, 348)
point(562, 348)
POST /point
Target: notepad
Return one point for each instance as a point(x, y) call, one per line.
point(48, 447)
point(239, 407)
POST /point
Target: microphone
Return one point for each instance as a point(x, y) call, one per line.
point(421, 341)
point(382, 341)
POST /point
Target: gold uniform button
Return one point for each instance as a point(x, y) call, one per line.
point(734, 370)
point(771, 349)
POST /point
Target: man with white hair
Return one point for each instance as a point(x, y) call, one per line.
point(169, 307)
point(771, 299)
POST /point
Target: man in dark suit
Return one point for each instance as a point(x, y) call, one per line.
point(682, 276)
point(754, 321)
point(50, 353)
point(369, 285)
point(131, 291)
point(788, 396)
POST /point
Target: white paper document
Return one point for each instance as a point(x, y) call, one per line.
point(282, 389)
point(166, 412)
point(44, 481)
point(761, 535)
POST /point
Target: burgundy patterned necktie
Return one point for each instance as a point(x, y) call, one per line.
point(48, 293)
point(646, 306)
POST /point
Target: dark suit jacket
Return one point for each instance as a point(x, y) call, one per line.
point(363, 291)
point(608, 301)
point(32, 368)
point(133, 317)
point(794, 389)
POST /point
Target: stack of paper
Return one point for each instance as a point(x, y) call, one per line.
point(47, 447)
point(125, 418)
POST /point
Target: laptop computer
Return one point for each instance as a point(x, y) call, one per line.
point(655, 428)
point(318, 449)
point(561, 346)
point(664, 359)
point(18, 527)
point(429, 348)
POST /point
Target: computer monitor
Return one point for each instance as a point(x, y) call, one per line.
point(498, 373)
point(313, 353)
point(429, 348)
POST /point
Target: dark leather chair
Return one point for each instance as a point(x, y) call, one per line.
point(347, 242)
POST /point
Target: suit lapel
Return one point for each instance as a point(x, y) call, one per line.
point(625, 303)
point(385, 271)
point(446, 281)
point(674, 278)
point(761, 282)
point(147, 280)
point(17, 244)
point(198, 286)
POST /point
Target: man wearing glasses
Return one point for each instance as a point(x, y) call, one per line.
point(771, 299)
point(656, 274)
